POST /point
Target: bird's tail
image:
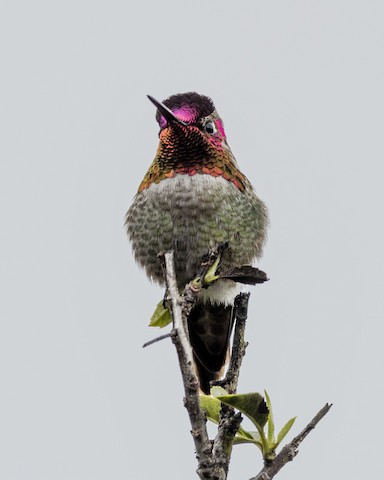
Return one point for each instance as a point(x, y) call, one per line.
point(210, 328)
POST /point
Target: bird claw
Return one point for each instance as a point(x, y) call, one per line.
point(211, 276)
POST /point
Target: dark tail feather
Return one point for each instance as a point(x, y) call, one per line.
point(210, 329)
point(205, 376)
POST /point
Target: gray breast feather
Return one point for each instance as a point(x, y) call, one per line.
point(191, 214)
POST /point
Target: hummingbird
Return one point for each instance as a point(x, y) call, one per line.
point(192, 199)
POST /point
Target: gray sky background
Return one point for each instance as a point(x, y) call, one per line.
point(299, 85)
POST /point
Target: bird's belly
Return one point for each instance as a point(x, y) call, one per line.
point(190, 215)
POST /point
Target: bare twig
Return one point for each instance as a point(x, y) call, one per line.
point(289, 451)
point(159, 338)
point(229, 383)
point(229, 420)
point(191, 386)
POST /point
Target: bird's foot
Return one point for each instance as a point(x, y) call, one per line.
point(211, 275)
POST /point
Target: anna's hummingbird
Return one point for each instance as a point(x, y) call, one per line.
point(193, 198)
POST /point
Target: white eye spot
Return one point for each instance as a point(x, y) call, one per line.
point(210, 127)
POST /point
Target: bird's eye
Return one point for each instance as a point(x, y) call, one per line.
point(210, 127)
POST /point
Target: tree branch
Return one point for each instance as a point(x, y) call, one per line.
point(159, 338)
point(191, 386)
point(289, 451)
point(213, 458)
point(229, 383)
point(229, 420)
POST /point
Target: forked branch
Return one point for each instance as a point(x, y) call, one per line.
point(214, 456)
point(289, 451)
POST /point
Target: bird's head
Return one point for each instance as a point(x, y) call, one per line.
point(192, 140)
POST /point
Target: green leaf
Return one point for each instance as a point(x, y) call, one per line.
point(248, 437)
point(161, 316)
point(255, 435)
point(251, 404)
point(218, 391)
point(243, 437)
point(283, 432)
point(255, 408)
point(211, 406)
point(271, 424)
